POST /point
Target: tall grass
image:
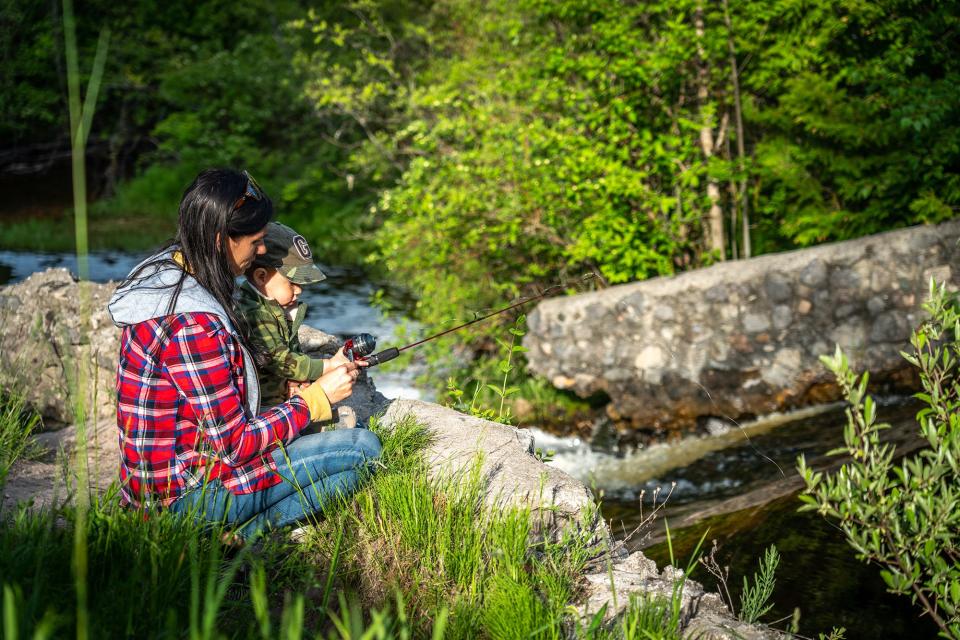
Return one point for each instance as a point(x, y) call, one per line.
point(17, 423)
point(81, 118)
point(405, 557)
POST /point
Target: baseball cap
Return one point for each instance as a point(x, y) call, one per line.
point(289, 253)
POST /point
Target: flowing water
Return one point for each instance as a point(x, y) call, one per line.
point(741, 486)
point(740, 482)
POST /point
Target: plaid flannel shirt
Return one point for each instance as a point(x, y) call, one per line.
point(181, 412)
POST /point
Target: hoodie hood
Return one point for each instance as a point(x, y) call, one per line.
point(148, 296)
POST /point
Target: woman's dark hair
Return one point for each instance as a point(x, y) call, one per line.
point(208, 217)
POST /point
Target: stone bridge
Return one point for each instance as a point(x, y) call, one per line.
point(741, 339)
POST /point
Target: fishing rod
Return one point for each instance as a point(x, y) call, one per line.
point(360, 347)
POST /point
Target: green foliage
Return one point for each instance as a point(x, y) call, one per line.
point(438, 545)
point(755, 597)
point(853, 106)
point(904, 517)
point(550, 138)
point(142, 584)
point(650, 617)
point(478, 153)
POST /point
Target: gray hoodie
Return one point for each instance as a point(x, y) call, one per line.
point(148, 297)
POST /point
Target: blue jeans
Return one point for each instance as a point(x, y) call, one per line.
point(316, 469)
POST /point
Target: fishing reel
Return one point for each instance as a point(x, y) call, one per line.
point(361, 346)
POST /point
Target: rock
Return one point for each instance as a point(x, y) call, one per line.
point(814, 274)
point(703, 614)
point(782, 316)
point(55, 332)
point(941, 274)
point(876, 304)
point(650, 357)
point(756, 322)
point(843, 280)
point(890, 326)
point(738, 317)
point(317, 343)
point(778, 286)
point(514, 475)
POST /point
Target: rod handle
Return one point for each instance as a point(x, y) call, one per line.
point(383, 356)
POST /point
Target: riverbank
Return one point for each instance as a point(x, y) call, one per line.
point(716, 468)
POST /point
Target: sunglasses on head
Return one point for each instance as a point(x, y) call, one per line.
point(252, 191)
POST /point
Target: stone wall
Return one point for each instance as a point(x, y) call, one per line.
point(744, 338)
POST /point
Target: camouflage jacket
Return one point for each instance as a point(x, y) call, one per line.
point(275, 333)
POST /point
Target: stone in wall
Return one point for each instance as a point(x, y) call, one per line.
point(740, 339)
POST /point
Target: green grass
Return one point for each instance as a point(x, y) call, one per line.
point(55, 234)
point(17, 423)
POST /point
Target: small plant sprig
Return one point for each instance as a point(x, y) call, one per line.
point(506, 367)
point(755, 598)
point(904, 517)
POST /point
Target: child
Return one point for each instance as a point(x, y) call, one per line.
point(268, 302)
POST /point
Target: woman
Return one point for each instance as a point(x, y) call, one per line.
point(192, 436)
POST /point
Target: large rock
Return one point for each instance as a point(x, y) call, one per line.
point(54, 331)
point(513, 474)
point(516, 477)
point(744, 338)
point(703, 615)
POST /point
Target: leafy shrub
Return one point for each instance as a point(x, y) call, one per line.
point(904, 517)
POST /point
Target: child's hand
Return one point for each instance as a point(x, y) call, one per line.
point(295, 385)
point(338, 359)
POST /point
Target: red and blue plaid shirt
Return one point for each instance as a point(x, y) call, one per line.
point(181, 411)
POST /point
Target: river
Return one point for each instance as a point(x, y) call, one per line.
point(739, 482)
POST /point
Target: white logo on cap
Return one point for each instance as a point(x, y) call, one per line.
point(300, 243)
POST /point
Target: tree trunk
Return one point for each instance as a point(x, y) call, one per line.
point(713, 224)
point(738, 114)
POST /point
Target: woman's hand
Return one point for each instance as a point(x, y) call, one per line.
point(337, 383)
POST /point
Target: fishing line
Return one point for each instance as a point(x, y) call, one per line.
point(360, 348)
